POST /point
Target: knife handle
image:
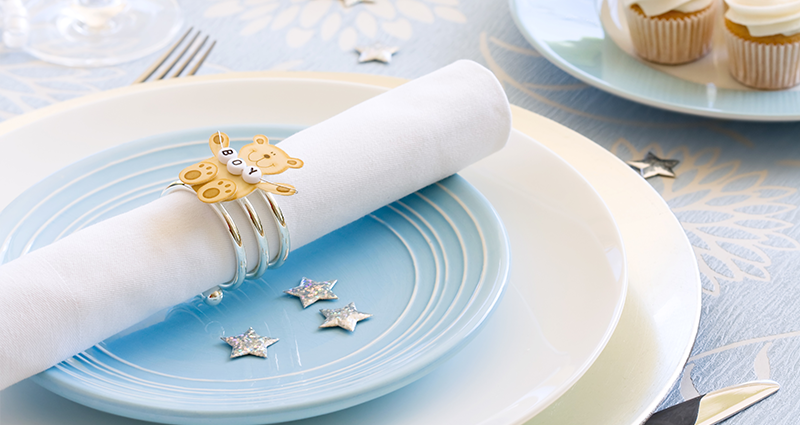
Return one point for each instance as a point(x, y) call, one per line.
point(679, 414)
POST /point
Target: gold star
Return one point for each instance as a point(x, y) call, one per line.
point(652, 166)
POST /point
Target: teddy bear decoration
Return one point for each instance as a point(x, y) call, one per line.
point(229, 175)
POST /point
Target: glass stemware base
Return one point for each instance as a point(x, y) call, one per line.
point(100, 32)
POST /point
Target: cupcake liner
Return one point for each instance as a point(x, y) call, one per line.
point(672, 41)
point(761, 65)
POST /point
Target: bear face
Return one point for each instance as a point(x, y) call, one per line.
point(214, 181)
point(269, 158)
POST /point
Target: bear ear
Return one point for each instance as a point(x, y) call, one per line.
point(294, 162)
point(261, 139)
point(218, 141)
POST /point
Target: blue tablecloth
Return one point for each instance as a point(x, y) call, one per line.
point(736, 190)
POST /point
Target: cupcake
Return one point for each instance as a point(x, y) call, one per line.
point(671, 31)
point(763, 38)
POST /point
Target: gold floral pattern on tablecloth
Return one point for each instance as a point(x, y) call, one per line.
point(732, 217)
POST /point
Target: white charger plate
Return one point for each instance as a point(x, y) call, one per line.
point(632, 375)
point(588, 39)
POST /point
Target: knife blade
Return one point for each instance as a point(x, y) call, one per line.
point(715, 406)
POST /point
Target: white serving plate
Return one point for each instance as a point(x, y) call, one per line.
point(710, 70)
point(589, 40)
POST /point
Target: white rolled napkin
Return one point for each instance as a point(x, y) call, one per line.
point(82, 289)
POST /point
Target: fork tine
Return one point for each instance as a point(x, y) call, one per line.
point(202, 59)
point(180, 55)
point(189, 59)
point(147, 73)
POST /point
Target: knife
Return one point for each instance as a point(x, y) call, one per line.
point(715, 406)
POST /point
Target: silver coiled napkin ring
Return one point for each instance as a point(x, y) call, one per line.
point(214, 295)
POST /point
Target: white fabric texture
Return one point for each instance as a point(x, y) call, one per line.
point(66, 297)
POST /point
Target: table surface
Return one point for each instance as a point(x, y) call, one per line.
point(735, 193)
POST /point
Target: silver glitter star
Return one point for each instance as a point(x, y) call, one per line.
point(376, 52)
point(310, 292)
point(350, 3)
point(249, 343)
point(652, 166)
point(345, 317)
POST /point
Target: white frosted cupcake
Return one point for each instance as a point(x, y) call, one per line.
point(763, 38)
point(671, 31)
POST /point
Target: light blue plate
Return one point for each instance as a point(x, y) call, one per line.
point(430, 267)
point(570, 35)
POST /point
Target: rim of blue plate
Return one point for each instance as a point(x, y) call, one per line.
point(728, 104)
point(498, 250)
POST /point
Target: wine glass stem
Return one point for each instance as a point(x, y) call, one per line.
point(96, 15)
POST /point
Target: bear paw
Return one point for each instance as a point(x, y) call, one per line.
point(283, 189)
point(202, 172)
point(217, 191)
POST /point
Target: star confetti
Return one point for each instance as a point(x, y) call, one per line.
point(345, 317)
point(376, 52)
point(351, 3)
point(652, 166)
point(249, 343)
point(310, 292)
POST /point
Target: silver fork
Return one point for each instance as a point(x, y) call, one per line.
point(167, 67)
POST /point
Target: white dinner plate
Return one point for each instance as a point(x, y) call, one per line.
point(632, 375)
point(568, 312)
point(568, 279)
point(588, 39)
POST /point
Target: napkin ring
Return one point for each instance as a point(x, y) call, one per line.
point(231, 176)
point(284, 242)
